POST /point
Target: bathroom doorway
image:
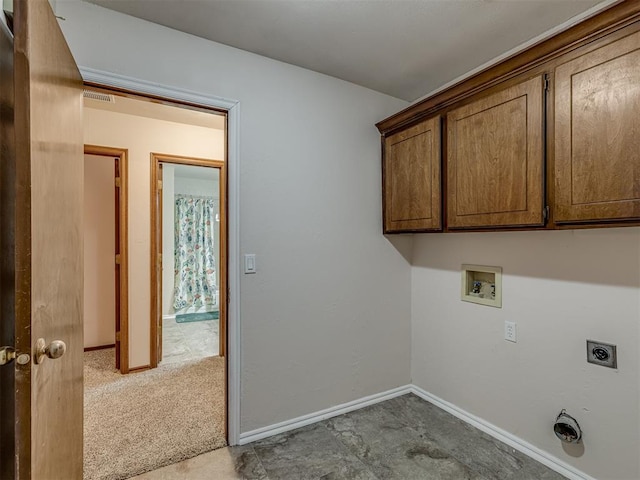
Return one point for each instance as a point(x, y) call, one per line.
point(188, 275)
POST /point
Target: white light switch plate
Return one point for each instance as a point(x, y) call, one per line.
point(250, 263)
point(510, 332)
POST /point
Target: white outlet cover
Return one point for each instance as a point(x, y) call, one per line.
point(510, 332)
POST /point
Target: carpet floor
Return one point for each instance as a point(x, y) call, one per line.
point(142, 421)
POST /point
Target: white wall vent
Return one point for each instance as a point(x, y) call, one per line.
point(101, 97)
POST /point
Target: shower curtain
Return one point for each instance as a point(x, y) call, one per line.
point(195, 263)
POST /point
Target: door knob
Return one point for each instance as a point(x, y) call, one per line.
point(54, 350)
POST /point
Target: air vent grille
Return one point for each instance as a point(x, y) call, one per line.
point(100, 97)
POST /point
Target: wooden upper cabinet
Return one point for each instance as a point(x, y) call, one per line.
point(597, 135)
point(495, 157)
point(411, 179)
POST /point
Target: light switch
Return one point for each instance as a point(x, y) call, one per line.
point(250, 263)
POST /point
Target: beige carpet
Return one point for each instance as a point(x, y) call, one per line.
point(142, 421)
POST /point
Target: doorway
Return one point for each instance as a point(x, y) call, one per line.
point(184, 393)
point(106, 305)
point(188, 258)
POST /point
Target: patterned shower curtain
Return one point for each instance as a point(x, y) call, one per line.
point(195, 263)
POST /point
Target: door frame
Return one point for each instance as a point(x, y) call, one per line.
point(178, 96)
point(122, 249)
point(157, 159)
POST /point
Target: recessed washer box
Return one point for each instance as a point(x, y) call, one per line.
point(482, 284)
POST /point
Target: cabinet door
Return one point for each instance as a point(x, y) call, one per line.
point(411, 171)
point(597, 135)
point(495, 159)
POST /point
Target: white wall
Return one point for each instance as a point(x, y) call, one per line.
point(208, 187)
point(561, 288)
point(142, 136)
point(99, 251)
point(327, 317)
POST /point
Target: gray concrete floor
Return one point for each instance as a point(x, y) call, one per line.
point(405, 438)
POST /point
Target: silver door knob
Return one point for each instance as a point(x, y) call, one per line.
point(54, 350)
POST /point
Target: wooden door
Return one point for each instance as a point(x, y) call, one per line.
point(597, 135)
point(495, 157)
point(411, 179)
point(48, 234)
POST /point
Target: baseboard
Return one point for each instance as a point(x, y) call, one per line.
point(519, 444)
point(140, 369)
point(99, 347)
point(315, 417)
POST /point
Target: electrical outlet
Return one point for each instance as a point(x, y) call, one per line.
point(510, 333)
point(603, 354)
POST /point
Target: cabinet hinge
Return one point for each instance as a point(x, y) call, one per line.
point(117, 182)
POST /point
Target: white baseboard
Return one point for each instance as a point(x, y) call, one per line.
point(519, 444)
point(315, 417)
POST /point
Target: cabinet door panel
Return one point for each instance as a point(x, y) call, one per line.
point(597, 135)
point(412, 179)
point(495, 159)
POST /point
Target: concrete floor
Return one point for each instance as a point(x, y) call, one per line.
point(405, 438)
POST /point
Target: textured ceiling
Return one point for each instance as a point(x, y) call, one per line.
point(404, 48)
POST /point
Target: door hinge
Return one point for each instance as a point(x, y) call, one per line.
point(117, 336)
point(545, 213)
point(117, 182)
point(118, 259)
point(159, 184)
